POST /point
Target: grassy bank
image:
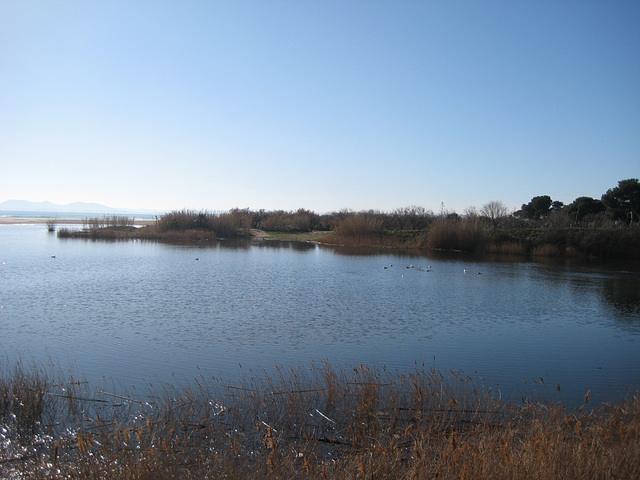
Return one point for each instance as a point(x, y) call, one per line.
point(314, 237)
point(317, 422)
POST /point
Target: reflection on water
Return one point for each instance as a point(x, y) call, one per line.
point(278, 245)
point(146, 312)
point(623, 294)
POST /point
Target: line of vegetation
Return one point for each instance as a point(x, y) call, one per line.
point(316, 422)
point(108, 221)
point(108, 226)
point(183, 226)
point(608, 227)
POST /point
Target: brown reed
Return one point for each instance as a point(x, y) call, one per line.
point(466, 234)
point(316, 422)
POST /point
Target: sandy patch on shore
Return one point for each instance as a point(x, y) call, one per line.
point(258, 233)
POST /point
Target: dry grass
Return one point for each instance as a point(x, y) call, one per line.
point(304, 423)
point(233, 223)
point(507, 248)
point(547, 250)
point(107, 221)
point(314, 236)
point(467, 234)
point(184, 226)
point(358, 225)
point(22, 401)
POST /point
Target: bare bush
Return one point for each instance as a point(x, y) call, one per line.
point(494, 211)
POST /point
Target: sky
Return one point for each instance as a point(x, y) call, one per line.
point(324, 105)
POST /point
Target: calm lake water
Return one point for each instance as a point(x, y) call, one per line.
point(142, 313)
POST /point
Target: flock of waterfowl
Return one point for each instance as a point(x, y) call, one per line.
point(428, 269)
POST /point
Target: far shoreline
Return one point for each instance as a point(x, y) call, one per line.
point(60, 221)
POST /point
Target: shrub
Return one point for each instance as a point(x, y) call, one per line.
point(108, 221)
point(509, 248)
point(358, 225)
point(176, 220)
point(467, 234)
point(225, 224)
point(612, 242)
point(547, 250)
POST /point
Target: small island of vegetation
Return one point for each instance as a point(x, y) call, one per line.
point(608, 227)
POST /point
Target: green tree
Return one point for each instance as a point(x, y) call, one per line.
point(583, 206)
point(537, 208)
point(623, 201)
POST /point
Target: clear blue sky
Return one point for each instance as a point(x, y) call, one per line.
point(317, 104)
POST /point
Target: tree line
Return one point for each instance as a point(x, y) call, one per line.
point(618, 206)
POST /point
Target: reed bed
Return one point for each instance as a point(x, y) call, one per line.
point(318, 422)
point(234, 223)
point(507, 248)
point(108, 221)
point(468, 234)
point(366, 230)
point(184, 226)
point(358, 225)
point(548, 250)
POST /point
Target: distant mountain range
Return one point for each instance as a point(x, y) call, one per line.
point(75, 207)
